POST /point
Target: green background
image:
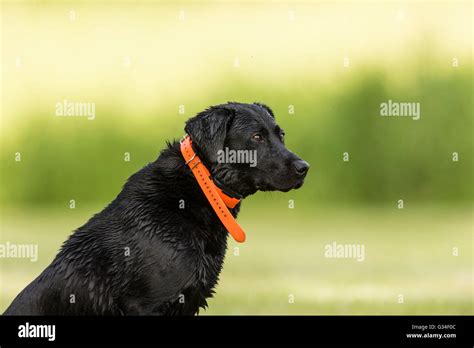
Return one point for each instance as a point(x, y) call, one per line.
point(403, 52)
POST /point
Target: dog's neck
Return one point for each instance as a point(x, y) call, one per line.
point(218, 199)
point(227, 178)
point(172, 166)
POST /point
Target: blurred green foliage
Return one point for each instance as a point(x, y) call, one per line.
point(390, 158)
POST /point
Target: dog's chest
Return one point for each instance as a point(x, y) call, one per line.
point(208, 265)
point(210, 260)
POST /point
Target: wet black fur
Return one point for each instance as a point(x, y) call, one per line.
point(175, 255)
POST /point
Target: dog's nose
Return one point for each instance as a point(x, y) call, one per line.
point(301, 167)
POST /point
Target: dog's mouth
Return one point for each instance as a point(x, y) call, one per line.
point(282, 188)
point(293, 187)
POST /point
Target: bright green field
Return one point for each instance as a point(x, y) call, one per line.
point(407, 252)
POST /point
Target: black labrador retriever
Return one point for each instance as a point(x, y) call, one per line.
point(159, 247)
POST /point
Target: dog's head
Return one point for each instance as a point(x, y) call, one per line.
point(244, 149)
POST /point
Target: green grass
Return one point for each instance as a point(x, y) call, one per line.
point(407, 252)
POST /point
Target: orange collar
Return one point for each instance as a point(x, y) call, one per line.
point(219, 201)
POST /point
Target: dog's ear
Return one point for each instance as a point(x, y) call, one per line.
point(208, 130)
point(266, 108)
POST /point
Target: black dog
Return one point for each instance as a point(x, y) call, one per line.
point(158, 248)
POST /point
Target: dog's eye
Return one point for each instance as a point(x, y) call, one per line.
point(257, 137)
point(282, 136)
